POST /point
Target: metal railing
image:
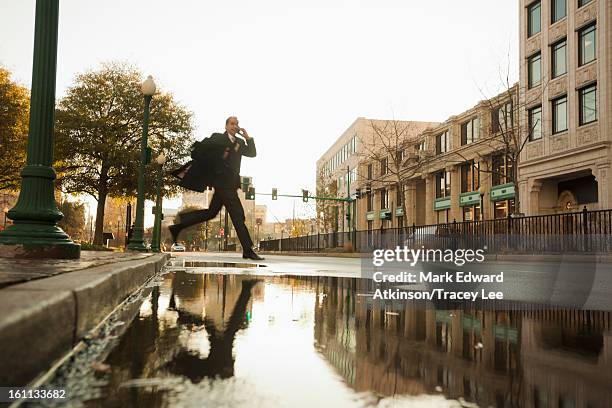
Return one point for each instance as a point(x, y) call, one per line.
point(583, 231)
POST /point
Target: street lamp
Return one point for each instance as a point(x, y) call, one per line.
point(155, 246)
point(137, 241)
point(34, 233)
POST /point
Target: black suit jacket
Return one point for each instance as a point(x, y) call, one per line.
point(216, 163)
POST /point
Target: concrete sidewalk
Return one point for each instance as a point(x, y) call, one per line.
point(48, 306)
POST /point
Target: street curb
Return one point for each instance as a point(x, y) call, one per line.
point(43, 319)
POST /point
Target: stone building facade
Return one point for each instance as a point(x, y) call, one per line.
point(565, 88)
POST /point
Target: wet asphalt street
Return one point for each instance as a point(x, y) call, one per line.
point(306, 332)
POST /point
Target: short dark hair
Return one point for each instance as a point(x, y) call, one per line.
point(228, 119)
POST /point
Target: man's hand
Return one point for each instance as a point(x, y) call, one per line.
point(244, 134)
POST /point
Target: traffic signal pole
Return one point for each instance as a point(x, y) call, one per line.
point(313, 197)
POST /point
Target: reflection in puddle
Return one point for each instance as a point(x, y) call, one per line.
point(231, 340)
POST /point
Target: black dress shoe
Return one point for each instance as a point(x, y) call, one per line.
point(253, 256)
point(174, 230)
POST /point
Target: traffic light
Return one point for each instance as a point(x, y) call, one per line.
point(275, 194)
point(245, 182)
point(358, 193)
point(250, 194)
point(305, 196)
point(368, 190)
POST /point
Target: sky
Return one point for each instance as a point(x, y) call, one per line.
point(296, 73)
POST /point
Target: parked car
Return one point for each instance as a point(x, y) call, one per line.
point(177, 248)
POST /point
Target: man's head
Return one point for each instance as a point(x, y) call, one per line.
point(231, 125)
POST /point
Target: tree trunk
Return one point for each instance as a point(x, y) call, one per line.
point(517, 196)
point(98, 237)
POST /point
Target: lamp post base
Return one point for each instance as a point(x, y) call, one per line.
point(37, 241)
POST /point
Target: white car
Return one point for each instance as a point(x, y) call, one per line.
point(177, 248)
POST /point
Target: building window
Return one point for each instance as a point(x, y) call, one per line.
point(558, 10)
point(443, 186)
point(586, 47)
point(533, 19)
point(501, 118)
point(501, 170)
point(559, 113)
point(503, 208)
point(470, 131)
point(535, 123)
point(471, 213)
point(384, 166)
point(443, 143)
point(534, 73)
point(370, 171)
point(559, 58)
point(588, 104)
point(370, 201)
point(470, 177)
point(583, 2)
point(442, 216)
point(399, 157)
point(399, 195)
point(422, 146)
point(384, 198)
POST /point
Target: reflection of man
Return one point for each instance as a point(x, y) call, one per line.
point(217, 163)
point(220, 360)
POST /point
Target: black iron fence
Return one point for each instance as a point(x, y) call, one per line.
point(583, 231)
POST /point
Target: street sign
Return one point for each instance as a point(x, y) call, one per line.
point(221, 232)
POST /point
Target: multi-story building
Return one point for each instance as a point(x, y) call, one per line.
point(542, 146)
point(565, 102)
point(456, 170)
point(337, 169)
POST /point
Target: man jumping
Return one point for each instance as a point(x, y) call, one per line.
point(218, 166)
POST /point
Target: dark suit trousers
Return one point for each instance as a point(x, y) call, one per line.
point(229, 199)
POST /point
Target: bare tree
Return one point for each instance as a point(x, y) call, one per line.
point(396, 153)
point(326, 187)
point(508, 132)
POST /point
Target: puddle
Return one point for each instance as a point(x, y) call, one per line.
point(224, 340)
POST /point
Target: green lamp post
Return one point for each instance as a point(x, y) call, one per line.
point(155, 245)
point(137, 241)
point(34, 233)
